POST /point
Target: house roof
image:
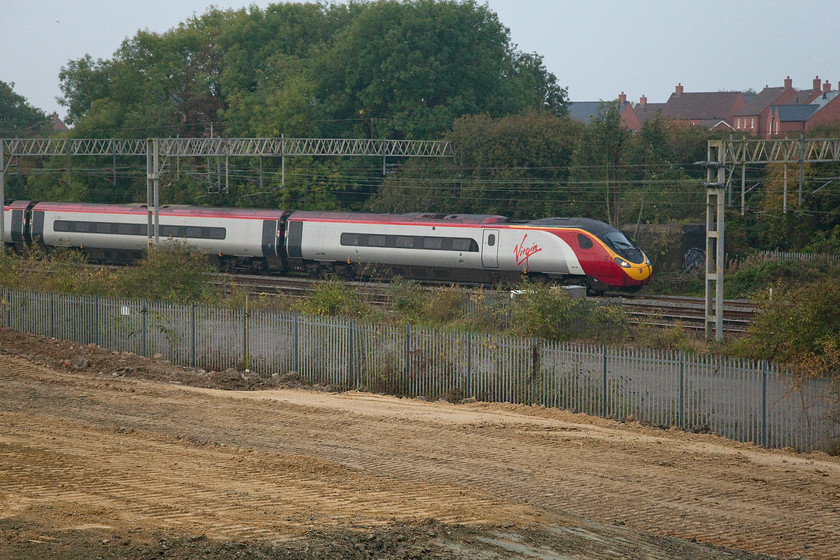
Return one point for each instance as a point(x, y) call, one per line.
point(702, 105)
point(584, 110)
point(803, 96)
point(648, 110)
point(823, 99)
point(757, 103)
point(795, 113)
point(57, 124)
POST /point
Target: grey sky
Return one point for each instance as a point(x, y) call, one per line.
point(596, 48)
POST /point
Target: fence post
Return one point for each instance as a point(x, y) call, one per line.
point(297, 358)
point(604, 394)
point(52, 314)
point(764, 432)
point(468, 387)
point(144, 312)
point(535, 368)
point(8, 314)
point(96, 318)
point(407, 354)
point(350, 372)
point(193, 337)
point(246, 351)
point(682, 390)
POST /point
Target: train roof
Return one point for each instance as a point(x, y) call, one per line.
point(418, 217)
point(170, 210)
point(587, 224)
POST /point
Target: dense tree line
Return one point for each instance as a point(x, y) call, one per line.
point(384, 69)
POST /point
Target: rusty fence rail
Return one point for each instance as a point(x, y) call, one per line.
point(743, 400)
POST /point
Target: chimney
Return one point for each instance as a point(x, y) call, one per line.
point(816, 87)
point(679, 89)
point(788, 83)
point(622, 98)
point(643, 101)
point(826, 87)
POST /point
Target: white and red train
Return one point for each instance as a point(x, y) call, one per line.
point(457, 248)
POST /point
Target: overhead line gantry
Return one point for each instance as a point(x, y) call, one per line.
point(723, 158)
point(159, 151)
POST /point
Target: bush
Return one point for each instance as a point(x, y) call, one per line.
point(799, 326)
point(551, 313)
point(407, 299)
point(334, 298)
point(173, 271)
point(62, 271)
point(757, 274)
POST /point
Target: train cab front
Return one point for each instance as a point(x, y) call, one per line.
point(633, 265)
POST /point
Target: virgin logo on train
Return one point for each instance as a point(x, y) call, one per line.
point(522, 253)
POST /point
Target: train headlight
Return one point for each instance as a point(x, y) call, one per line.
point(622, 263)
point(647, 260)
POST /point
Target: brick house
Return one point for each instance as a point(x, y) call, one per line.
point(754, 117)
point(57, 124)
point(644, 110)
point(707, 109)
point(807, 96)
point(789, 119)
point(773, 111)
point(828, 112)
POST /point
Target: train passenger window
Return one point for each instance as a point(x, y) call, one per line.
point(350, 239)
point(125, 229)
point(461, 244)
point(193, 232)
point(491, 239)
point(432, 243)
point(376, 241)
point(584, 242)
point(214, 233)
point(61, 225)
point(103, 228)
point(82, 227)
point(404, 242)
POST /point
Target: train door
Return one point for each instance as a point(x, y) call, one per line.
point(490, 249)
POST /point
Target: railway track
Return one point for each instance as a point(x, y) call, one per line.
point(296, 287)
point(652, 310)
point(690, 312)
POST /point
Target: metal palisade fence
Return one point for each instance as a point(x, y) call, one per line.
point(739, 399)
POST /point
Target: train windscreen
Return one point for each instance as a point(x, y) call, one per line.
point(619, 243)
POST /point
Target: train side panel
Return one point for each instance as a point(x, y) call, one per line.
point(537, 251)
point(221, 232)
point(388, 244)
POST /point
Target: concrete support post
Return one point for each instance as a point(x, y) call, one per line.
point(715, 209)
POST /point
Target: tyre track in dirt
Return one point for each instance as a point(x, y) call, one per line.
point(272, 464)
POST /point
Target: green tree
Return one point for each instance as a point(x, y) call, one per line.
point(661, 187)
point(17, 118)
point(516, 166)
point(599, 161)
point(409, 69)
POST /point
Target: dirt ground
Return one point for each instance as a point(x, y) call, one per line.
point(109, 455)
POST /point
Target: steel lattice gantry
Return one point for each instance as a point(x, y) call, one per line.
point(788, 151)
point(158, 152)
point(723, 157)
